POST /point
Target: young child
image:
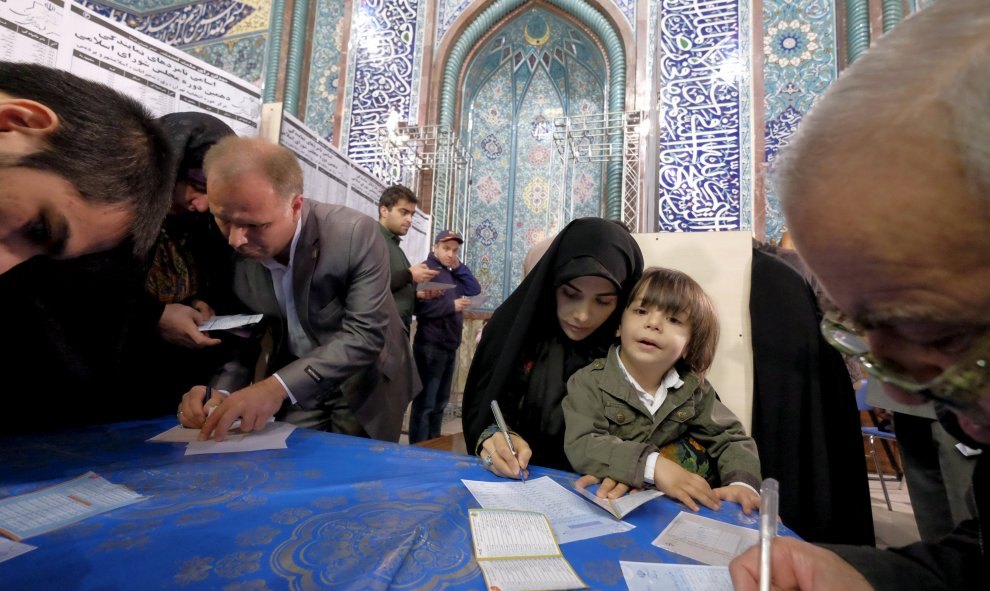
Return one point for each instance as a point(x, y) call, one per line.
point(649, 392)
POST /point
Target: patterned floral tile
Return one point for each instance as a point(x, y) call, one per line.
point(799, 64)
point(324, 72)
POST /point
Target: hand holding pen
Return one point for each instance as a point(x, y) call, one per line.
point(505, 454)
point(769, 493)
point(196, 406)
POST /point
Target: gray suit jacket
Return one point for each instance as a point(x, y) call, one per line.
point(341, 289)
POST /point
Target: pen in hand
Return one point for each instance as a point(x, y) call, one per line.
point(508, 439)
point(768, 528)
point(209, 394)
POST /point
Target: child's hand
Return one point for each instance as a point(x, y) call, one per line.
point(609, 488)
point(684, 486)
point(739, 494)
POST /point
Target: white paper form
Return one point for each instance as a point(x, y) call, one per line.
point(231, 321)
point(530, 574)
point(511, 534)
point(650, 576)
point(477, 301)
point(180, 434)
point(273, 436)
point(29, 31)
point(705, 540)
point(434, 286)
point(621, 506)
point(570, 516)
point(517, 550)
point(11, 549)
point(27, 515)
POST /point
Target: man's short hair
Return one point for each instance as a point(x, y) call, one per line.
point(391, 196)
point(106, 145)
point(234, 156)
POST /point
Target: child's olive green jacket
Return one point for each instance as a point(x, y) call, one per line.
point(609, 433)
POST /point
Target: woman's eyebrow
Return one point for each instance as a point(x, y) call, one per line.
point(579, 290)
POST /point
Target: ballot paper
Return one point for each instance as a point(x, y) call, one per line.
point(571, 518)
point(180, 434)
point(705, 540)
point(11, 549)
point(232, 321)
point(273, 436)
point(477, 301)
point(31, 514)
point(623, 505)
point(651, 576)
point(516, 551)
point(434, 286)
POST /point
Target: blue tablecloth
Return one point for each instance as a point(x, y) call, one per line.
point(329, 512)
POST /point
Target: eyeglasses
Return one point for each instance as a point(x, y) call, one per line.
point(961, 385)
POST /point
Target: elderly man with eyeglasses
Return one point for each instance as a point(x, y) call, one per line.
point(886, 189)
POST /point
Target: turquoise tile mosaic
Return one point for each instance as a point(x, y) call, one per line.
point(324, 71)
point(535, 68)
point(800, 62)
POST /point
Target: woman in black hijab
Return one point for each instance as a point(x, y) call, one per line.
point(190, 272)
point(531, 347)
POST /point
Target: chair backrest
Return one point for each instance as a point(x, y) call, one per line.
point(861, 402)
point(721, 262)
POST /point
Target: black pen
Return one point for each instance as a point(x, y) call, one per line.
point(508, 439)
point(209, 394)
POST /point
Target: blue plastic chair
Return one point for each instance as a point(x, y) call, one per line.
point(874, 433)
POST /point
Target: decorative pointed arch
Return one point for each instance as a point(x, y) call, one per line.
point(607, 30)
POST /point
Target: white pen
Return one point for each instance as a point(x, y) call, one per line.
point(769, 492)
point(508, 439)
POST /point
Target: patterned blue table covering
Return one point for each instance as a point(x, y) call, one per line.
point(329, 512)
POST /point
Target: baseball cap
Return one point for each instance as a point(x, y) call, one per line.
point(448, 235)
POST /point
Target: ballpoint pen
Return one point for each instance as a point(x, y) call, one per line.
point(505, 431)
point(209, 394)
point(768, 528)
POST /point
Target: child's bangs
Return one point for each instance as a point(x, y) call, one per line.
point(668, 292)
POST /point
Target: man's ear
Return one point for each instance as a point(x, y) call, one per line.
point(382, 212)
point(25, 126)
point(297, 204)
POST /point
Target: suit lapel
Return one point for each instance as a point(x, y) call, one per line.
point(258, 281)
point(303, 263)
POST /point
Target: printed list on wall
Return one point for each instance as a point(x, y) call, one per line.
point(165, 80)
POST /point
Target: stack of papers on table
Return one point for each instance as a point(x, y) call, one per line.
point(516, 551)
point(570, 517)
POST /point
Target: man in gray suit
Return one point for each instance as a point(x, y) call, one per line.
point(341, 361)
